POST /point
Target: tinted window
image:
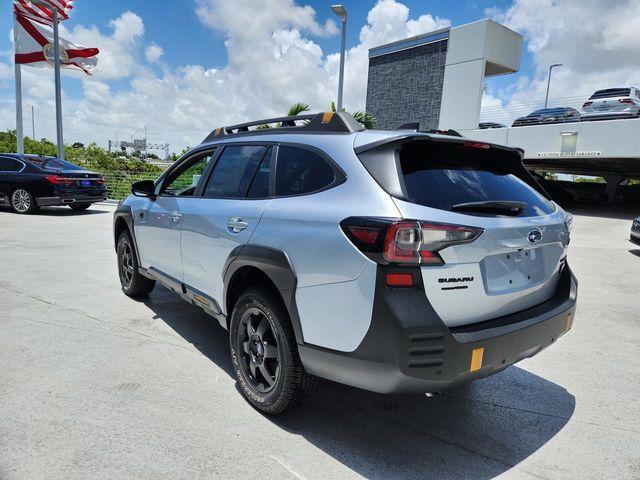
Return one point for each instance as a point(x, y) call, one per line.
point(441, 177)
point(185, 178)
point(260, 184)
point(611, 93)
point(301, 171)
point(234, 171)
point(10, 165)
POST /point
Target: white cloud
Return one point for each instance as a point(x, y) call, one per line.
point(595, 40)
point(273, 63)
point(128, 28)
point(153, 53)
point(6, 72)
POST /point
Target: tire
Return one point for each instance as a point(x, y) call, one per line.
point(258, 321)
point(132, 282)
point(79, 207)
point(23, 202)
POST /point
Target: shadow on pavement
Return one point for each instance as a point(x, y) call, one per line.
point(635, 252)
point(474, 431)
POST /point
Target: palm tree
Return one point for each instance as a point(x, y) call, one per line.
point(297, 108)
point(366, 119)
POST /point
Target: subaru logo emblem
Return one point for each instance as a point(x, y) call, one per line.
point(534, 235)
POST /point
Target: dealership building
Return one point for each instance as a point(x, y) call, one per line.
point(436, 80)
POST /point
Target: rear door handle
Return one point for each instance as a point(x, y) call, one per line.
point(175, 216)
point(236, 225)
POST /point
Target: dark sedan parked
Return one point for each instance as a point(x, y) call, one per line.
point(547, 116)
point(28, 182)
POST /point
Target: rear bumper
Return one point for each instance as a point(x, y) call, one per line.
point(66, 200)
point(409, 349)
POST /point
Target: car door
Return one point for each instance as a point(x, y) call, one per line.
point(10, 169)
point(233, 200)
point(158, 220)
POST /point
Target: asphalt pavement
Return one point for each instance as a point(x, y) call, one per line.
point(94, 385)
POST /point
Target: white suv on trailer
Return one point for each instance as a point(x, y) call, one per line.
point(394, 261)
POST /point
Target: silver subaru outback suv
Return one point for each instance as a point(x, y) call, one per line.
point(393, 261)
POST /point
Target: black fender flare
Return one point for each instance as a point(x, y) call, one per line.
point(276, 265)
point(124, 212)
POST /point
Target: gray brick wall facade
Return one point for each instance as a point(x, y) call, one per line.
point(406, 86)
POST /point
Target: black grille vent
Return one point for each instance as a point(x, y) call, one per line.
point(425, 350)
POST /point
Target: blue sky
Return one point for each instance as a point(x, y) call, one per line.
point(226, 61)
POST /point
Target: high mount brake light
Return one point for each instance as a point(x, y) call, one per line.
point(411, 242)
point(483, 146)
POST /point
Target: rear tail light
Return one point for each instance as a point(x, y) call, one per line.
point(60, 180)
point(99, 181)
point(405, 242)
point(626, 100)
point(586, 104)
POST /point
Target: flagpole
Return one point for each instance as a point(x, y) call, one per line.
point(19, 125)
point(56, 50)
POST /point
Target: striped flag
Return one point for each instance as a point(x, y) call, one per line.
point(34, 42)
point(43, 14)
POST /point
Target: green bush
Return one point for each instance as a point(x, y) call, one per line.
point(119, 169)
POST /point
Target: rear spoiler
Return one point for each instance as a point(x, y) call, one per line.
point(435, 136)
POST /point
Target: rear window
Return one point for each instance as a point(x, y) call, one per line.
point(442, 176)
point(54, 164)
point(611, 93)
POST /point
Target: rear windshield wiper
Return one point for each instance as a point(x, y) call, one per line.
point(500, 207)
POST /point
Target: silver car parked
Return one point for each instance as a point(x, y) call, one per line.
point(611, 104)
point(394, 261)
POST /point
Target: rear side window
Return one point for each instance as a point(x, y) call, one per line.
point(234, 171)
point(301, 171)
point(10, 165)
point(442, 177)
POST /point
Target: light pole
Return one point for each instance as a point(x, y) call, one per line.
point(342, 13)
point(551, 67)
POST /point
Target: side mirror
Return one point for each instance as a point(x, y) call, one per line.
point(144, 188)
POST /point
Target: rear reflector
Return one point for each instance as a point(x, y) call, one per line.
point(399, 280)
point(476, 359)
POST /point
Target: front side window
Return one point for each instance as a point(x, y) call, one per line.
point(236, 170)
point(9, 165)
point(184, 180)
point(301, 171)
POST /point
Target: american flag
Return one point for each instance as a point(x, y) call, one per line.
point(37, 12)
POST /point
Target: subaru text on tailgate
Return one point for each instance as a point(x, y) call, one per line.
point(394, 261)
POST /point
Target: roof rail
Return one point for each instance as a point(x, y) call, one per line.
point(325, 122)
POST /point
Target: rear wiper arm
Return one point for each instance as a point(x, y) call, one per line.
point(503, 207)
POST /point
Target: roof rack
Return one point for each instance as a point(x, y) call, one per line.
point(325, 122)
